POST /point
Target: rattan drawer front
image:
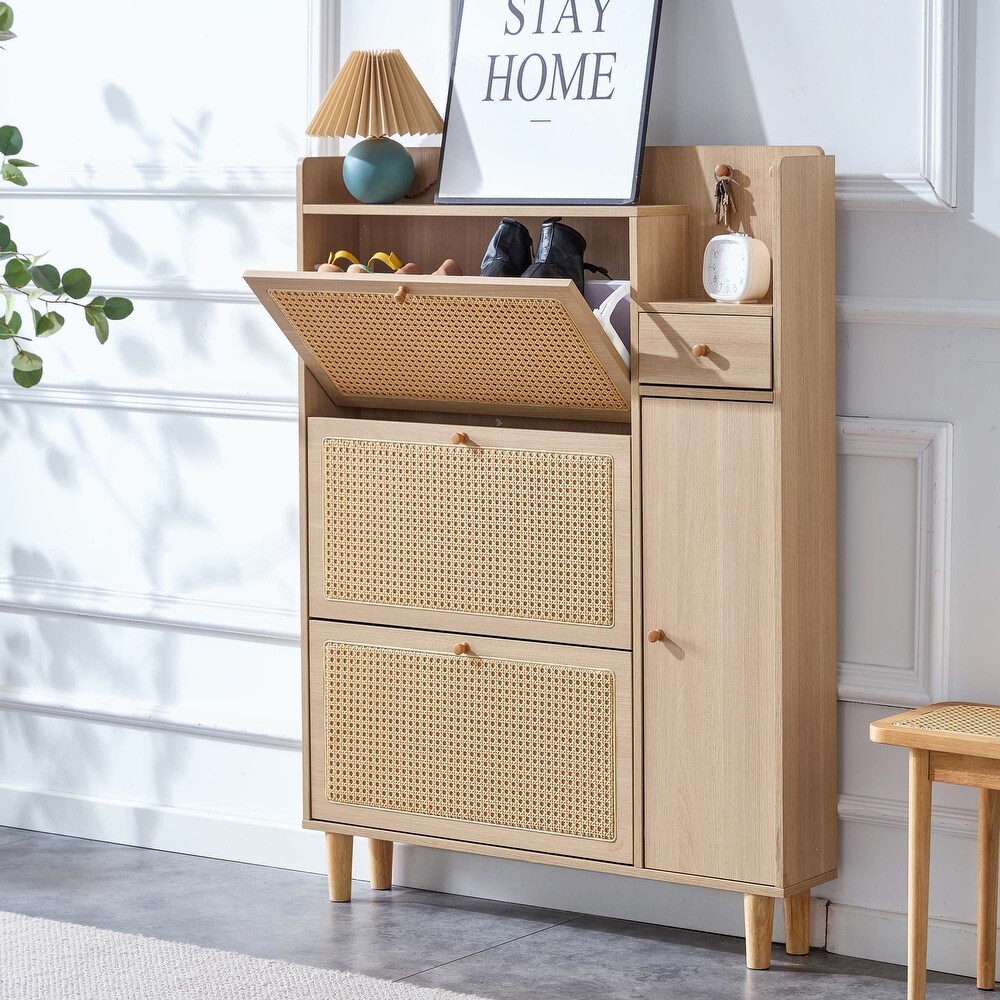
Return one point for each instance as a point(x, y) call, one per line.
point(739, 350)
point(466, 344)
point(521, 533)
point(511, 743)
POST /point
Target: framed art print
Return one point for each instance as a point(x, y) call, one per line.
point(549, 102)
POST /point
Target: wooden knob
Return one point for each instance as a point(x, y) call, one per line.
point(461, 648)
point(656, 635)
point(701, 350)
point(401, 294)
point(460, 437)
point(723, 170)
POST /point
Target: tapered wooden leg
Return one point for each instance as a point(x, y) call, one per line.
point(986, 925)
point(797, 923)
point(919, 875)
point(758, 912)
point(380, 853)
point(339, 855)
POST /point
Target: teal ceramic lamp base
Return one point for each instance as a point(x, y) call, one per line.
point(378, 171)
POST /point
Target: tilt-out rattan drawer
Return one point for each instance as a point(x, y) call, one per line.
point(513, 744)
point(488, 530)
point(527, 347)
point(732, 352)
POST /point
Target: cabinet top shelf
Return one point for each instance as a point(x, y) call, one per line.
point(418, 209)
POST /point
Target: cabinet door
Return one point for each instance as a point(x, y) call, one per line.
point(512, 744)
point(710, 685)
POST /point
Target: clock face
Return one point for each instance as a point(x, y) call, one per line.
point(727, 266)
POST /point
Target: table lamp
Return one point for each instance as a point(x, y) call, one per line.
point(376, 95)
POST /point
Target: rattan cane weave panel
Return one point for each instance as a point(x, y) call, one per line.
point(488, 531)
point(454, 348)
point(530, 746)
point(966, 720)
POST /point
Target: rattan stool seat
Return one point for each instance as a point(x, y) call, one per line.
point(951, 727)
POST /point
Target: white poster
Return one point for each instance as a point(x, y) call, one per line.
point(548, 101)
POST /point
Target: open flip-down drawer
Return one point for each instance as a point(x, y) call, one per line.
point(503, 346)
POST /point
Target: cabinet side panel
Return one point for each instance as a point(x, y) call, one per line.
point(805, 394)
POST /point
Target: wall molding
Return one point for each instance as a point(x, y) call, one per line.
point(876, 811)
point(45, 596)
point(141, 715)
point(158, 181)
point(979, 314)
point(935, 187)
point(153, 401)
point(929, 445)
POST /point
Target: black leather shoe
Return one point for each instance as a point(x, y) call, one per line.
point(560, 254)
point(509, 252)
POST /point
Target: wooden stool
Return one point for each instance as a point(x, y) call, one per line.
point(958, 744)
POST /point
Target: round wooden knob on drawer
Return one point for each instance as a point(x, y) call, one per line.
point(656, 635)
point(460, 437)
point(701, 350)
point(401, 294)
point(461, 648)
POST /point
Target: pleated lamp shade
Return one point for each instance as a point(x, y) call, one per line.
point(375, 94)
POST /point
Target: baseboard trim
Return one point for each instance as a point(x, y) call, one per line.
point(880, 935)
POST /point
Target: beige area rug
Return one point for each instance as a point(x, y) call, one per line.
point(50, 960)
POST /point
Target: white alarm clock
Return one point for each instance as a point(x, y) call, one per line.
point(737, 268)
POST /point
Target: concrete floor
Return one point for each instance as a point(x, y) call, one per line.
point(494, 950)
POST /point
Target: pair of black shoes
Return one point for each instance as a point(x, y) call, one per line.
point(560, 253)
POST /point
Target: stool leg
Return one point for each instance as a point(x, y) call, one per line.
point(919, 875)
point(339, 855)
point(797, 923)
point(986, 927)
point(758, 913)
point(380, 855)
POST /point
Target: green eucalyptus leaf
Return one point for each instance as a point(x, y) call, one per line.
point(52, 322)
point(25, 361)
point(22, 163)
point(11, 140)
point(15, 323)
point(4, 235)
point(16, 274)
point(6, 17)
point(98, 301)
point(27, 379)
point(46, 277)
point(118, 308)
point(96, 318)
point(13, 174)
point(8, 306)
point(76, 283)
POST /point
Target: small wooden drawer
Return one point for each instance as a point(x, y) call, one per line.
point(490, 529)
point(702, 350)
point(514, 744)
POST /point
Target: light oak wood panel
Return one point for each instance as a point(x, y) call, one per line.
point(964, 769)
point(685, 175)
point(710, 687)
point(563, 861)
point(502, 549)
point(704, 392)
point(709, 308)
point(805, 448)
point(419, 209)
point(721, 351)
point(481, 649)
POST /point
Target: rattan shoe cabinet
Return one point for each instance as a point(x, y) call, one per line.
point(556, 607)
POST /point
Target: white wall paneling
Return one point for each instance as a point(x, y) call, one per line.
point(899, 592)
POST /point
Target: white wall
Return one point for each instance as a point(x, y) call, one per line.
point(149, 667)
